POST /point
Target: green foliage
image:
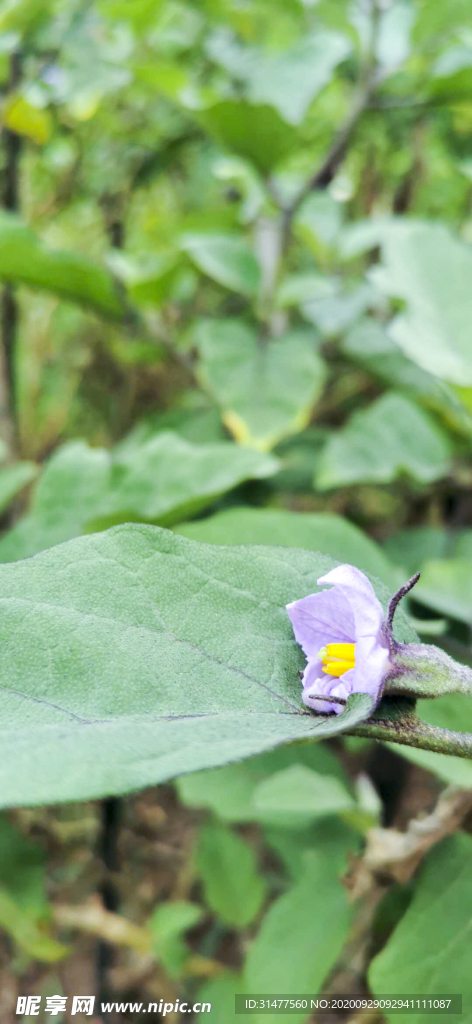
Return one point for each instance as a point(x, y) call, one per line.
point(159, 479)
point(315, 914)
point(245, 374)
point(24, 909)
point(13, 479)
point(235, 253)
point(71, 276)
point(390, 438)
point(429, 269)
point(316, 531)
point(301, 795)
point(230, 791)
point(428, 950)
point(233, 887)
point(113, 684)
point(225, 259)
point(446, 586)
point(168, 925)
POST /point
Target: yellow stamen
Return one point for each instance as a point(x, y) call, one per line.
point(337, 658)
point(344, 651)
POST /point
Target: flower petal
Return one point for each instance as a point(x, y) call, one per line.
point(372, 665)
point(359, 592)
point(317, 683)
point(322, 618)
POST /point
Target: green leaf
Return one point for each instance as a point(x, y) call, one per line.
point(290, 80)
point(300, 795)
point(168, 477)
point(451, 77)
point(429, 949)
point(162, 478)
point(167, 925)
point(220, 991)
point(427, 267)
point(446, 586)
point(411, 548)
point(13, 479)
point(68, 494)
point(234, 890)
point(26, 260)
point(133, 656)
point(229, 791)
point(391, 438)
point(314, 531)
point(269, 141)
point(225, 258)
point(266, 390)
point(368, 344)
point(314, 914)
point(32, 939)
point(334, 313)
point(24, 909)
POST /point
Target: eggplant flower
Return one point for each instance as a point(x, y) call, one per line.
point(345, 639)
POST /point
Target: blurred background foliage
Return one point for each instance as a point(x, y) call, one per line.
point(235, 247)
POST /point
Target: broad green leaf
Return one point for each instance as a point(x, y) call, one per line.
point(266, 390)
point(225, 258)
point(149, 280)
point(200, 425)
point(429, 949)
point(133, 656)
point(391, 438)
point(290, 80)
point(13, 479)
point(168, 925)
point(168, 477)
point(300, 795)
point(229, 791)
point(301, 935)
point(315, 531)
point(446, 586)
point(412, 548)
point(68, 494)
point(269, 141)
point(368, 344)
point(335, 313)
point(161, 479)
point(233, 887)
point(301, 288)
point(452, 75)
point(332, 838)
point(427, 267)
point(26, 260)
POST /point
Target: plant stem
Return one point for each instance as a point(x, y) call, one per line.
point(410, 731)
point(12, 145)
point(111, 814)
point(368, 80)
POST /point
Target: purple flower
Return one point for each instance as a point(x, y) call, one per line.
point(343, 635)
point(350, 647)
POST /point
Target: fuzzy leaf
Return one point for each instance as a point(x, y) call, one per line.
point(135, 655)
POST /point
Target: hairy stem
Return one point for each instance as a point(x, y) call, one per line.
point(410, 731)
